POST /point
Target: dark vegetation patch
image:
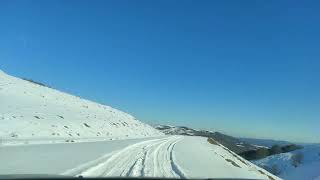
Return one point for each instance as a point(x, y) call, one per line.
point(240, 160)
point(264, 152)
point(35, 82)
point(212, 141)
point(124, 124)
point(234, 155)
point(14, 135)
point(290, 147)
point(271, 178)
point(261, 172)
point(233, 163)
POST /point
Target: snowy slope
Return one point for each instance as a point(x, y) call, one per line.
point(309, 169)
point(165, 156)
point(32, 112)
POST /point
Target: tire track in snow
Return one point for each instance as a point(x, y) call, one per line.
point(137, 169)
point(152, 158)
point(119, 163)
point(175, 167)
point(156, 161)
point(161, 163)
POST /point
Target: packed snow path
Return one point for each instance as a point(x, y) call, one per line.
point(152, 158)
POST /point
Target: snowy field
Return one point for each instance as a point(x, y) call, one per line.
point(168, 156)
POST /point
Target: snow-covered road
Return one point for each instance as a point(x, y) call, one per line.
point(151, 158)
point(163, 156)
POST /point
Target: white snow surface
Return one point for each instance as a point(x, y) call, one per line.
point(31, 113)
point(309, 169)
point(45, 131)
point(165, 156)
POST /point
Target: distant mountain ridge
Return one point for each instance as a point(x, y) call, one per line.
point(248, 148)
point(265, 142)
point(234, 144)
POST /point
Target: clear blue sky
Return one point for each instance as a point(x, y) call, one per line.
point(248, 68)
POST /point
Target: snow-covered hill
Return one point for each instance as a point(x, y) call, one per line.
point(29, 111)
point(282, 164)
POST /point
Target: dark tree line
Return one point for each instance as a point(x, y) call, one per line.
point(264, 152)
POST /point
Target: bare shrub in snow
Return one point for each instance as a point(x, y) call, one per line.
point(233, 163)
point(212, 141)
point(14, 135)
point(35, 82)
point(85, 124)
